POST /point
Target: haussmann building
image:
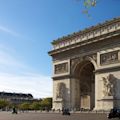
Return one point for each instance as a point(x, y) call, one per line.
point(86, 68)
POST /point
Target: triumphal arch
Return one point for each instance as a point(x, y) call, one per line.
point(86, 68)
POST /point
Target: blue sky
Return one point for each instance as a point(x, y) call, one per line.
point(27, 28)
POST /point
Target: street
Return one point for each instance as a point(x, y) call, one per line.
point(52, 116)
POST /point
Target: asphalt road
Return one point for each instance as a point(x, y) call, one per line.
point(53, 116)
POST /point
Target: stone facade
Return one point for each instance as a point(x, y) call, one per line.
point(86, 68)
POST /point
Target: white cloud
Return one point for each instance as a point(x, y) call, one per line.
point(9, 31)
point(18, 77)
point(38, 85)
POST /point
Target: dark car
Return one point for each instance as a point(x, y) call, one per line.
point(65, 112)
point(114, 113)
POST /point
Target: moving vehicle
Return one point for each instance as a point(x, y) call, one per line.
point(114, 113)
point(65, 112)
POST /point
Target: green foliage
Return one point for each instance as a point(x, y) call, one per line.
point(35, 106)
point(3, 103)
point(43, 104)
point(24, 106)
point(88, 4)
point(46, 103)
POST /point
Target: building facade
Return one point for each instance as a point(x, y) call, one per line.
point(16, 98)
point(86, 68)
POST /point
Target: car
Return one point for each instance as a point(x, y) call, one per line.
point(65, 112)
point(114, 113)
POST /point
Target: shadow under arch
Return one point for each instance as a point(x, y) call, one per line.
point(85, 76)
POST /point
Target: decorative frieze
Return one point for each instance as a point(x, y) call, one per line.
point(61, 68)
point(109, 58)
point(86, 34)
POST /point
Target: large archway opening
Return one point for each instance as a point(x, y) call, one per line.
point(86, 80)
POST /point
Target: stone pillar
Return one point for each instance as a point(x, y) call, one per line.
point(61, 93)
point(75, 94)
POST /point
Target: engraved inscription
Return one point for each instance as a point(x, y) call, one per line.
point(109, 58)
point(61, 68)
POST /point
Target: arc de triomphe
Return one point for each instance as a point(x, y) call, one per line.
point(86, 68)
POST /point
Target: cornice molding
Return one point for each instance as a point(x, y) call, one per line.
point(60, 77)
point(86, 42)
point(107, 69)
point(87, 30)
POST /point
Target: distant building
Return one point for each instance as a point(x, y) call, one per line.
point(16, 98)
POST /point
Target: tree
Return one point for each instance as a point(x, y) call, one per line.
point(24, 106)
point(35, 106)
point(46, 103)
point(88, 4)
point(3, 104)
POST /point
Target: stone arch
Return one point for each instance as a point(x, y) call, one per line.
point(84, 76)
point(92, 61)
point(79, 61)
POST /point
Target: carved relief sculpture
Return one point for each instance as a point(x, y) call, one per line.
point(61, 68)
point(109, 85)
point(109, 58)
point(94, 57)
point(60, 90)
